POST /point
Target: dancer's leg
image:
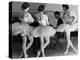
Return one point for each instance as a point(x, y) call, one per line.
point(73, 47)
point(47, 42)
point(30, 43)
point(24, 46)
point(69, 43)
point(38, 53)
point(42, 45)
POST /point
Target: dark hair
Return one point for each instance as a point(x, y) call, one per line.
point(57, 13)
point(41, 8)
point(66, 6)
point(25, 5)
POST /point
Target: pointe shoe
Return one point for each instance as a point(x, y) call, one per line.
point(21, 55)
point(65, 52)
point(43, 55)
point(25, 56)
point(75, 50)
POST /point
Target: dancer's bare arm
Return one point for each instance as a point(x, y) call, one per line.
point(47, 20)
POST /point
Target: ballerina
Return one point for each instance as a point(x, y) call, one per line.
point(23, 28)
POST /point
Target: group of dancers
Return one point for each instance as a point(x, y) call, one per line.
point(69, 19)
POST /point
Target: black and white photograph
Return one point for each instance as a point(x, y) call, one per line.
point(42, 29)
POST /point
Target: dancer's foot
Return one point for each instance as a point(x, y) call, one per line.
point(75, 50)
point(22, 55)
point(43, 55)
point(65, 52)
point(26, 56)
point(38, 53)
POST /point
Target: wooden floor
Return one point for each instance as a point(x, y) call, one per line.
point(49, 51)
